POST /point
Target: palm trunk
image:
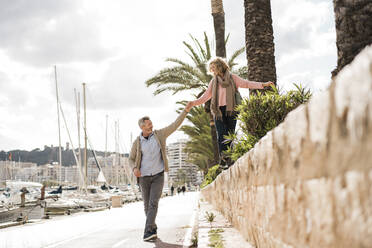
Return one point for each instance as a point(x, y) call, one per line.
point(219, 27)
point(219, 30)
point(259, 41)
point(353, 29)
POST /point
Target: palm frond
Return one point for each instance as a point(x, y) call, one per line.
point(238, 52)
point(199, 72)
point(227, 38)
point(200, 145)
point(197, 46)
point(207, 47)
point(241, 72)
point(194, 56)
point(200, 48)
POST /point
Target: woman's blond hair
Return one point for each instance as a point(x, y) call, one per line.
point(220, 64)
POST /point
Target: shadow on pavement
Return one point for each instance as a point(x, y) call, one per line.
point(160, 244)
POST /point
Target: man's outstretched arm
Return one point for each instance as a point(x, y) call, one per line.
point(166, 131)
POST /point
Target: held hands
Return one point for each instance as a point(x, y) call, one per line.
point(137, 172)
point(189, 106)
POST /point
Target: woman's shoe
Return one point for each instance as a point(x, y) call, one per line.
point(222, 163)
point(229, 162)
point(225, 162)
point(224, 167)
point(148, 236)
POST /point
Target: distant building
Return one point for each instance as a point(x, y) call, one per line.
point(20, 171)
point(115, 169)
point(180, 171)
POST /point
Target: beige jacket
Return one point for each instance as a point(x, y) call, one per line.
point(161, 135)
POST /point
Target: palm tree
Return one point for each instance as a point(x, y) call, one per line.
point(353, 29)
point(259, 41)
point(199, 147)
point(181, 177)
point(184, 76)
point(219, 27)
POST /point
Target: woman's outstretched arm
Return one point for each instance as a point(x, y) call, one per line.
point(243, 83)
point(205, 97)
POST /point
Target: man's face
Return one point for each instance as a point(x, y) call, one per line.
point(147, 127)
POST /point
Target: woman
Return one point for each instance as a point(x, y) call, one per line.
point(221, 90)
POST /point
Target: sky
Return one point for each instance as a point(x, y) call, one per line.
point(115, 46)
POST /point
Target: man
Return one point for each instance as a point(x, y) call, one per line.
point(149, 162)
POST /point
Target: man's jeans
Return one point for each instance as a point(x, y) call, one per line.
point(224, 127)
point(151, 187)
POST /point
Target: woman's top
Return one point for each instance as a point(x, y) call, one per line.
point(239, 82)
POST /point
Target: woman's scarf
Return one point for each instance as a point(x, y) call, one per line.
point(226, 82)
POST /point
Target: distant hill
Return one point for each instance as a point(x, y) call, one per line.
point(46, 156)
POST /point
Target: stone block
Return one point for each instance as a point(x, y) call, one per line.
point(280, 145)
point(295, 128)
point(319, 118)
point(353, 94)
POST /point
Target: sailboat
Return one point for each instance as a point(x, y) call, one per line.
point(11, 208)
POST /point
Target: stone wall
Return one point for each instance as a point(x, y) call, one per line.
point(307, 183)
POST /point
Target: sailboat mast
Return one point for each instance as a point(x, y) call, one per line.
point(106, 142)
point(59, 126)
point(119, 152)
point(116, 152)
point(6, 167)
point(77, 102)
point(85, 138)
point(72, 143)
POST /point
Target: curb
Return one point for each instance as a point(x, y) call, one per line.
point(191, 232)
point(10, 224)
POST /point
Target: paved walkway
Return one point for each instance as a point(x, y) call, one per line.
point(181, 218)
point(118, 227)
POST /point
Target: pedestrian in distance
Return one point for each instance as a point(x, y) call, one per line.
point(149, 162)
point(183, 189)
point(172, 190)
point(224, 94)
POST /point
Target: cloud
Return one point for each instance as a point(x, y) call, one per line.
point(120, 83)
point(3, 80)
point(297, 25)
point(7, 142)
point(12, 96)
point(304, 36)
point(42, 33)
point(292, 40)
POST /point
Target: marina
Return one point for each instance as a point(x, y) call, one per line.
point(16, 207)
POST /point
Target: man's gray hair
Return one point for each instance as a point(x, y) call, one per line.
point(141, 121)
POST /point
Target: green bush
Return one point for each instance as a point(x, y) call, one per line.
point(261, 113)
point(213, 172)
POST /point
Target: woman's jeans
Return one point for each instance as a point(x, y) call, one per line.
point(224, 126)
